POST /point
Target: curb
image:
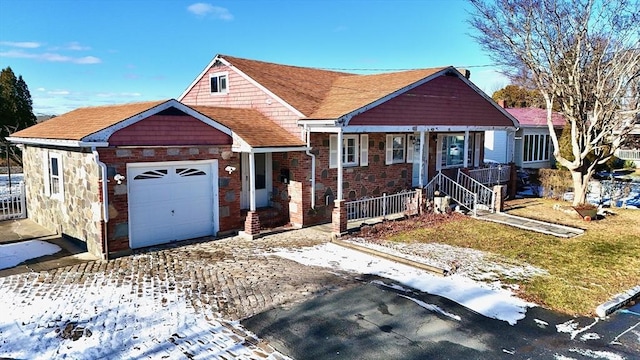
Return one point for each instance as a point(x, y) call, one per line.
point(618, 301)
point(432, 269)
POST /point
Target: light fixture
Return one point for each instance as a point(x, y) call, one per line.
point(230, 169)
point(118, 178)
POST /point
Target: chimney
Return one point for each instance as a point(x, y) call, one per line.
point(502, 104)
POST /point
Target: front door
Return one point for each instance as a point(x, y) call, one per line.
point(262, 178)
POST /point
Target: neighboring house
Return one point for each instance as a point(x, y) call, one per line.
point(528, 147)
point(250, 144)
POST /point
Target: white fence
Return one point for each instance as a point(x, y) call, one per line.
point(405, 202)
point(633, 154)
point(485, 195)
point(12, 203)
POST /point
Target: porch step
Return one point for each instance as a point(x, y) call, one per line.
point(529, 224)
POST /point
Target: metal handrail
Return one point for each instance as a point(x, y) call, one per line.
point(486, 196)
point(457, 192)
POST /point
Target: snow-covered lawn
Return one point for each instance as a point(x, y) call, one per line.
point(13, 254)
point(487, 299)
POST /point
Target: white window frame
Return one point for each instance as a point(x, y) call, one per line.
point(359, 152)
point(390, 149)
point(539, 151)
point(49, 177)
point(218, 76)
point(444, 152)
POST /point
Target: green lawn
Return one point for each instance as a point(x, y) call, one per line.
point(583, 271)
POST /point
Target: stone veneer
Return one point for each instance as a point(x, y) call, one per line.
point(79, 214)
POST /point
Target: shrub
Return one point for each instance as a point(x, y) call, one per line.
point(555, 182)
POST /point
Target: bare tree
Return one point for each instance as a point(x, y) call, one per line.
point(582, 55)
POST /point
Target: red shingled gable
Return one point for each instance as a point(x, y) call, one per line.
point(534, 117)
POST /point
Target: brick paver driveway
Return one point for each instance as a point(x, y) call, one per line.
point(228, 279)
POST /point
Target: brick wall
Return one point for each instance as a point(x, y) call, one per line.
point(228, 184)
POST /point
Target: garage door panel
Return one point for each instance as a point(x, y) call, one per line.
point(168, 203)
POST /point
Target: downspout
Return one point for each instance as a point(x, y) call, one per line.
point(105, 200)
point(313, 168)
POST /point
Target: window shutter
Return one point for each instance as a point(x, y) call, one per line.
point(45, 173)
point(389, 153)
point(364, 150)
point(333, 151)
point(410, 147)
point(476, 154)
point(61, 177)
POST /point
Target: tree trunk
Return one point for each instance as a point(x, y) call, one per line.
point(580, 186)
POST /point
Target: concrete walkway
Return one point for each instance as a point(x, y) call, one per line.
point(530, 224)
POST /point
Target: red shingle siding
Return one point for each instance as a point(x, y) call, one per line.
point(242, 94)
point(228, 184)
point(169, 130)
point(445, 100)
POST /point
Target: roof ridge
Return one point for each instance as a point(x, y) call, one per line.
point(231, 57)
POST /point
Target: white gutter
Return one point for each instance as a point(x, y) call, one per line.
point(105, 199)
point(57, 142)
point(313, 168)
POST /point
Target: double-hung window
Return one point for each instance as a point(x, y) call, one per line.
point(396, 149)
point(53, 175)
point(355, 150)
point(218, 83)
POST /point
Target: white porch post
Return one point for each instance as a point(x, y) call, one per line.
point(252, 181)
point(422, 139)
point(340, 145)
point(466, 149)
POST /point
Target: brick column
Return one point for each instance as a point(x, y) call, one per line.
point(339, 218)
point(252, 224)
point(498, 198)
point(420, 197)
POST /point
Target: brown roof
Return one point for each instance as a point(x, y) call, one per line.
point(79, 123)
point(350, 93)
point(253, 127)
point(303, 88)
point(324, 94)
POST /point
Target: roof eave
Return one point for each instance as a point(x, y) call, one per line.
point(57, 142)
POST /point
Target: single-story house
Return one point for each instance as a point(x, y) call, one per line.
point(529, 146)
point(250, 144)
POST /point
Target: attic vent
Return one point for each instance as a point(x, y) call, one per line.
point(172, 111)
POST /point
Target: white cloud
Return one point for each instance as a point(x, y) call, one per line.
point(41, 89)
point(204, 9)
point(58, 92)
point(50, 57)
point(76, 46)
point(21, 44)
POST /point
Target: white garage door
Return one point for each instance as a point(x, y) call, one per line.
point(171, 201)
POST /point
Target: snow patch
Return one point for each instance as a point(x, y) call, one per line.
point(482, 298)
point(541, 323)
point(14, 254)
point(589, 336)
point(597, 354)
point(432, 307)
point(571, 327)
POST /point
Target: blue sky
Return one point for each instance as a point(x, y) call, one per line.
point(83, 53)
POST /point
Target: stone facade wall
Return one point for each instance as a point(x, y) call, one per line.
point(229, 185)
point(79, 214)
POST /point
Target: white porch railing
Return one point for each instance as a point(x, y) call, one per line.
point(486, 196)
point(405, 202)
point(628, 154)
point(457, 192)
point(13, 205)
point(491, 175)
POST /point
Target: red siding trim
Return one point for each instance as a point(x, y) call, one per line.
point(158, 130)
point(445, 100)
